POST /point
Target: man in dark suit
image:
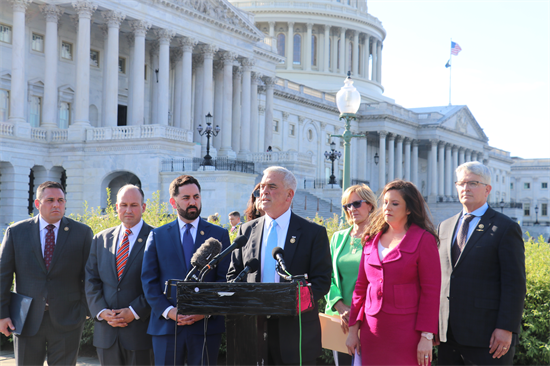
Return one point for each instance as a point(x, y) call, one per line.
point(483, 277)
point(113, 285)
point(168, 256)
point(306, 250)
point(47, 254)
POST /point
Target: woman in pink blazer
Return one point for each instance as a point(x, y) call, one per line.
point(396, 297)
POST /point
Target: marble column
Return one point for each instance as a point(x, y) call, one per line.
point(399, 158)
point(268, 131)
point(227, 128)
point(290, 47)
point(105, 32)
point(334, 52)
point(454, 192)
point(379, 62)
point(441, 169)
point(407, 159)
point(198, 65)
point(448, 171)
point(130, 65)
point(461, 156)
point(473, 156)
point(342, 58)
point(307, 52)
point(433, 168)
point(187, 45)
point(271, 28)
point(49, 115)
point(113, 20)
point(254, 126)
point(362, 157)
point(382, 162)
point(82, 93)
point(208, 91)
point(414, 163)
point(154, 53)
point(164, 38)
point(355, 58)
point(326, 49)
point(245, 111)
point(391, 158)
point(140, 28)
point(218, 104)
point(374, 74)
point(236, 110)
point(367, 57)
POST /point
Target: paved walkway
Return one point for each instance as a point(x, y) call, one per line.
point(7, 358)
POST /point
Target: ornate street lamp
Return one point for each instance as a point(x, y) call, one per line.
point(208, 131)
point(332, 156)
point(376, 158)
point(537, 214)
point(502, 205)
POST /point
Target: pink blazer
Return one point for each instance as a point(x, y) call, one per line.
point(407, 281)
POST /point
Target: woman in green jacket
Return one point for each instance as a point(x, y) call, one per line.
point(345, 247)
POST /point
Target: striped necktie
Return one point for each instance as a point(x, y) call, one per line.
point(122, 254)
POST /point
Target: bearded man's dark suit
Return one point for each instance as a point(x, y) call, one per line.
point(62, 286)
point(306, 250)
point(105, 291)
point(486, 288)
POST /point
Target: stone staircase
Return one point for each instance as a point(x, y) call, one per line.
point(307, 205)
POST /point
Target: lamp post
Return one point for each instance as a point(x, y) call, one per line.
point(348, 101)
point(332, 156)
point(502, 205)
point(208, 131)
point(376, 158)
point(536, 214)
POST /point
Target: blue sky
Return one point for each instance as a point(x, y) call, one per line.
point(502, 73)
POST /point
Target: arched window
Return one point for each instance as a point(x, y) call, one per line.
point(338, 54)
point(281, 44)
point(314, 50)
point(297, 49)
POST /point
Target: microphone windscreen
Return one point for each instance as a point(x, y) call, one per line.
point(253, 264)
point(208, 250)
point(240, 241)
point(277, 250)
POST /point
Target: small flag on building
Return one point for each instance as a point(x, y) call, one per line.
point(448, 64)
point(455, 48)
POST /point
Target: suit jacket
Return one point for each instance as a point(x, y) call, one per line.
point(406, 281)
point(335, 294)
point(309, 253)
point(62, 285)
point(163, 260)
point(486, 288)
point(105, 291)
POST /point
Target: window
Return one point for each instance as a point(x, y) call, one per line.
point(526, 209)
point(94, 58)
point(4, 104)
point(297, 49)
point(5, 33)
point(275, 126)
point(35, 110)
point(66, 50)
point(281, 44)
point(145, 73)
point(329, 138)
point(526, 185)
point(329, 52)
point(338, 54)
point(544, 185)
point(544, 209)
point(292, 130)
point(511, 185)
point(122, 65)
point(310, 135)
point(503, 179)
point(37, 42)
point(313, 50)
point(64, 115)
point(496, 179)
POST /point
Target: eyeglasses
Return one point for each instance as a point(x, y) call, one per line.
point(256, 193)
point(472, 184)
point(355, 204)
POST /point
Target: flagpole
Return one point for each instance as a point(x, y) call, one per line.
point(450, 69)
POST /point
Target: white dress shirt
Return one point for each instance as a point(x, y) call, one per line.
point(283, 222)
point(44, 231)
point(473, 223)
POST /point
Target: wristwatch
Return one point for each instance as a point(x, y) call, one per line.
point(428, 336)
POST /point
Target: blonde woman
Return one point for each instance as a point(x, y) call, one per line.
point(345, 247)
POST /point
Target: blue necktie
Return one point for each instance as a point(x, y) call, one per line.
point(188, 245)
point(268, 273)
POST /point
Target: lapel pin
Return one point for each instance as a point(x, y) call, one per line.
point(66, 228)
point(481, 226)
point(140, 240)
point(202, 232)
point(293, 240)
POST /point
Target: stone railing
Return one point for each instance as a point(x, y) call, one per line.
point(6, 129)
point(287, 84)
point(138, 132)
point(279, 156)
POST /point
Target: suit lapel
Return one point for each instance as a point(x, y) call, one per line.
point(449, 243)
point(34, 233)
point(62, 235)
point(256, 244)
point(292, 239)
point(112, 239)
point(175, 240)
point(371, 250)
point(483, 226)
point(138, 246)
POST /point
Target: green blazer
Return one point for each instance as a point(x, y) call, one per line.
point(334, 294)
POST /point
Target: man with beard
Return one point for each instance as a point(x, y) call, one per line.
point(167, 256)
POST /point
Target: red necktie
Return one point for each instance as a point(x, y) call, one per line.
point(50, 246)
point(122, 254)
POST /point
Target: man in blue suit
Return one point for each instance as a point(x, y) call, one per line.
point(167, 256)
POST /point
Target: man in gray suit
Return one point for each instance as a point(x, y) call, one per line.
point(47, 254)
point(113, 285)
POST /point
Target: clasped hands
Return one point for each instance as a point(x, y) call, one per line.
point(184, 319)
point(118, 317)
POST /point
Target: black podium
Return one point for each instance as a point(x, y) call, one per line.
point(245, 306)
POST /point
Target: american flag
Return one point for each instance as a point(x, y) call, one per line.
point(455, 48)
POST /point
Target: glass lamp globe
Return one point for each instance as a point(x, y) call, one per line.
point(348, 99)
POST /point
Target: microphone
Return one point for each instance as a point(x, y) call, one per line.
point(251, 266)
point(209, 249)
point(279, 255)
point(239, 242)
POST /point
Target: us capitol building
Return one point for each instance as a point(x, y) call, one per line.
point(99, 93)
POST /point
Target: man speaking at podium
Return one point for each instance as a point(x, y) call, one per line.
point(306, 250)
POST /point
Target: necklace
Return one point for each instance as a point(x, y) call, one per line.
point(353, 246)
